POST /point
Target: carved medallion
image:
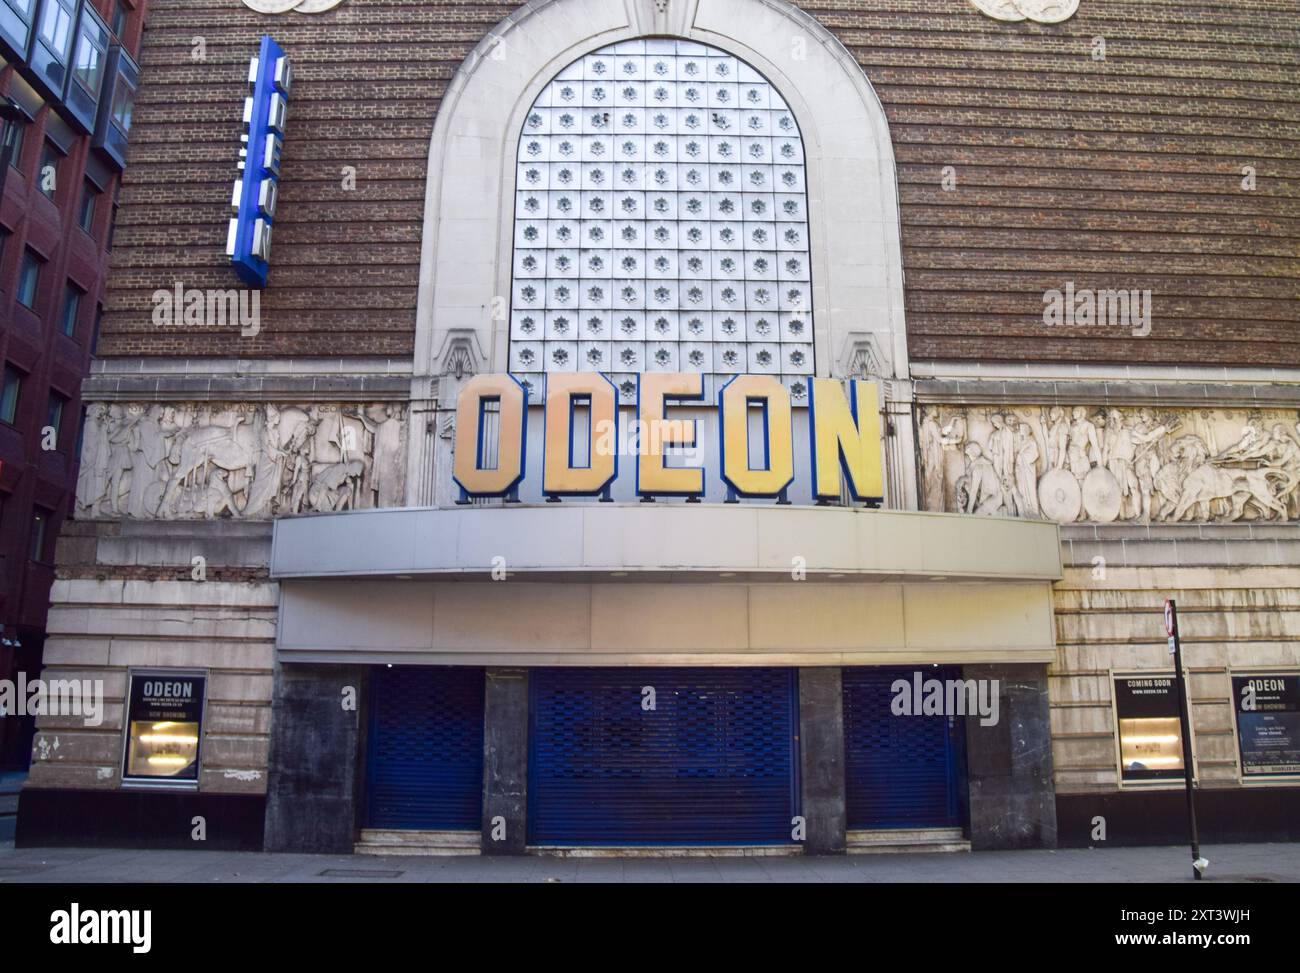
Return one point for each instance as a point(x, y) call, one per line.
point(297, 6)
point(1039, 11)
point(1101, 496)
point(1059, 496)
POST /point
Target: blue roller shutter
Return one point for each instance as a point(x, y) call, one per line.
point(425, 751)
point(714, 762)
point(899, 771)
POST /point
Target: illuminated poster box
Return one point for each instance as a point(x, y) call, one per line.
point(164, 727)
point(1150, 738)
point(1268, 724)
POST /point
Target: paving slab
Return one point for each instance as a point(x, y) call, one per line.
point(1228, 863)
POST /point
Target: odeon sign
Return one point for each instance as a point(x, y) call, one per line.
point(843, 437)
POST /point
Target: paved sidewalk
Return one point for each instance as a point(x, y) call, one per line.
point(1228, 863)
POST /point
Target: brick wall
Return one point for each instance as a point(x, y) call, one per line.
point(1117, 173)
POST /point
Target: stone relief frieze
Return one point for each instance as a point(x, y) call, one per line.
point(202, 460)
point(1106, 465)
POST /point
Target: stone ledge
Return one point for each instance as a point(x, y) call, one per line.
point(1084, 392)
point(1189, 552)
point(123, 548)
point(203, 367)
point(1264, 530)
point(247, 388)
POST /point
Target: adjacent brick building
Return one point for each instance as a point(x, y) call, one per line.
point(56, 229)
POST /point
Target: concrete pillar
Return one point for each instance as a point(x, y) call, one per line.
point(1012, 798)
point(505, 762)
point(821, 758)
point(313, 786)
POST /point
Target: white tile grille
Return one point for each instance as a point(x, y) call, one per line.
point(661, 222)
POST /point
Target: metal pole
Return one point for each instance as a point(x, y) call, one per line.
point(1184, 725)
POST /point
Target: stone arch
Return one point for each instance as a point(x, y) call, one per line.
point(465, 258)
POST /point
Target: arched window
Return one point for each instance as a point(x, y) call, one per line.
point(661, 222)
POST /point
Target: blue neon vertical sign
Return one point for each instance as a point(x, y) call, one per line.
point(249, 241)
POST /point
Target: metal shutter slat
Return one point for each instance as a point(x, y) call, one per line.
point(899, 771)
point(714, 763)
point(426, 748)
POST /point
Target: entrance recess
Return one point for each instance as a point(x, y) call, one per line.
point(662, 756)
point(425, 752)
point(899, 771)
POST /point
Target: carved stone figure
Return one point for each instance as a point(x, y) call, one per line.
point(1025, 494)
point(1121, 466)
point(983, 487)
point(118, 466)
point(1058, 438)
point(91, 480)
point(149, 447)
point(932, 473)
point(1118, 453)
point(1083, 450)
point(388, 457)
point(209, 460)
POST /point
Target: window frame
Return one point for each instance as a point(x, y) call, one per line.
point(39, 538)
point(90, 194)
point(57, 402)
point(19, 130)
point(73, 294)
point(67, 7)
point(34, 261)
point(9, 406)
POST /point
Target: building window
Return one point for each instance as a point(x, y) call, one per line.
point(71, 309)
point(661, 221)
point(119, 19)
point(40, 521)
point(16, 22)
point(123, 105)
point(56, 24)
point(54, 415)
point(14, 132)
point(29, 279)
point(1150, 734)
point(47, 180)
point(92, 51)
point(165, 724)
point(112, 220)
point(9, 398)
point(90, 194)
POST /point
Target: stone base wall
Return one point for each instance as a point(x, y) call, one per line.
point(131, 595)
point(1109, 619)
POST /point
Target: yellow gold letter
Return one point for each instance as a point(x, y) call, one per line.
point(733, 411)
point(845, 435)
point(471, 471)
point(652, 476)
point(559, 475)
